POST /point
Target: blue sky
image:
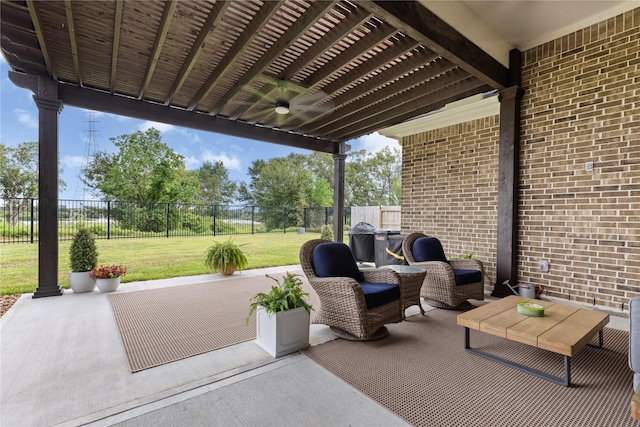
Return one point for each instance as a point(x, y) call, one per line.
point(19, 123)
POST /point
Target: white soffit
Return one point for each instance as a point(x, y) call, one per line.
point(499, 26)
point(465, 110)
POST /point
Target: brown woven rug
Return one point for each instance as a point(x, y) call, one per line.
point(159, 326)
point(421, 372)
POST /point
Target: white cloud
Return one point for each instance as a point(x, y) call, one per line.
point(26, 118)
point(191, 162)
point(162, 127)
point(230, 163)
point(191, 137)
point(374, 142)
point(73, 162)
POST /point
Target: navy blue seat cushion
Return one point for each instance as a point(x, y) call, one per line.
point(428, 249)
point(464, 277)
point(377, 294)
point(335, 259)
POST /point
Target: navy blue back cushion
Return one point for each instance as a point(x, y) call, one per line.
point(334, 259)
point(377, 294)
point(428, 249)
point(464, 277)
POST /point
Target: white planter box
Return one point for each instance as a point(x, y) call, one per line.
point(282, 333)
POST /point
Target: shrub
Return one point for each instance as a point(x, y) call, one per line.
point(326, 232)
point(223, 227)
point(98, 230)
point(193, 222)
point(83, 255)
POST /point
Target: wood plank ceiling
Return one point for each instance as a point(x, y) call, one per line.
point(342, 68)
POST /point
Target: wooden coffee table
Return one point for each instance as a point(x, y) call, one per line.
point(564, 329)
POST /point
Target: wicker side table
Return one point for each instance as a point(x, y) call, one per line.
point(411, 279)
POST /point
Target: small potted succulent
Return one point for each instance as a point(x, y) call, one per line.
point(108, 276)
point(225, 257)
point(83, 257)
point(282, 316)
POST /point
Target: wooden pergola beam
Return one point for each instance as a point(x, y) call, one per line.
point(117, 24)
point(310, 16)
point(394, 81)
point(37, 25)
point(131, 107)
point(260, 20)
point(213, 20)
point(415, 20)
point(161, 35)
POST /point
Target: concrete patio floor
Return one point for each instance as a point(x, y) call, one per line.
point(62, 364)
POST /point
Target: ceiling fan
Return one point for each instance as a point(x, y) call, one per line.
point(279, 103)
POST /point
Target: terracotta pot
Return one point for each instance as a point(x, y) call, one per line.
point(231, 268)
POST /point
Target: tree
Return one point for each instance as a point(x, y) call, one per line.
point(215, 186)
point(373, 179)
point(19, 178)
point(144, 169)
point(281, 181)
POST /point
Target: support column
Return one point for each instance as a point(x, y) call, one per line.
point(508, 172)
point(338, 192)
point(49, 106)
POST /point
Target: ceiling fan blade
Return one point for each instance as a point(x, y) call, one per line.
point(256, 116)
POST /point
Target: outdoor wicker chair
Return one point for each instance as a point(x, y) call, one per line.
point(355, 304)
point(448, 283)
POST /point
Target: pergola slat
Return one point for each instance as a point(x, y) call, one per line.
point(310, 16)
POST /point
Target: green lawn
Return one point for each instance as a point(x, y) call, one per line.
point(147, 259)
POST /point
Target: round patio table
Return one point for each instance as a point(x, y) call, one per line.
point(411, 279)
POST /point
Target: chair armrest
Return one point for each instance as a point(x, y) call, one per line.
point(465, 264)
point(380, 275)
point(330, 286)
point(436, 268)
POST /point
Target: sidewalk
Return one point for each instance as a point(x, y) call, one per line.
point(62, 364)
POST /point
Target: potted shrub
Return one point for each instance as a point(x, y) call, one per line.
point(83, 257)
point(108, 276)
point(282, 317)
point(225, 257)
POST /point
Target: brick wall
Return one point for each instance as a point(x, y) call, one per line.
point(450, 187)
point(581, 104)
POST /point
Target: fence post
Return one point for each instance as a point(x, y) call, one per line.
point(215, 211)
point(304, 220)
point(253, 220)
point(32, 222)
point(108, 219)
point(166, 210)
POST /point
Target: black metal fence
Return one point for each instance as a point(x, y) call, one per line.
point(113, 220)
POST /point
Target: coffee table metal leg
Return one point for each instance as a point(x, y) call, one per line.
point(600, 341)
point(558, 380)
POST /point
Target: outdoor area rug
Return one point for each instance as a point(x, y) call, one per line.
point(421, 372)
point(159, 326)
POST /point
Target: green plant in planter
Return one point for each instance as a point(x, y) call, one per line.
point(225, 257)
point(326, 233)
point(285, 296)
point(83, 255)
